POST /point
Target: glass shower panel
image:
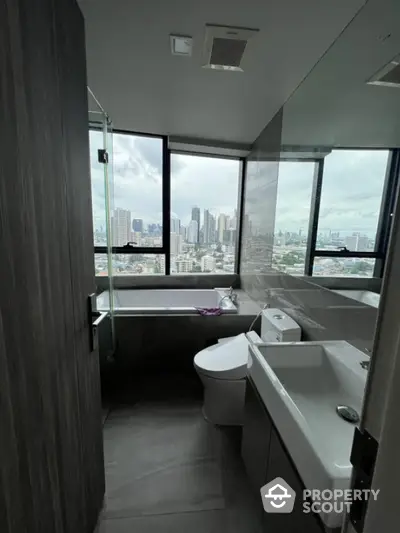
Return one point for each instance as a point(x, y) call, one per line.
point(101, 158)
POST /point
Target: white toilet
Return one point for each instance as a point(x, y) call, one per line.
point(223, 367)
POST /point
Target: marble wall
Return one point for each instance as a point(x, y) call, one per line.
point(321, 313)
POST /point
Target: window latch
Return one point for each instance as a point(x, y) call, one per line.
point(102, 156)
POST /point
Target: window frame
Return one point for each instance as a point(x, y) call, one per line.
point(165, 249)
point(389, 195)
point(388, 199)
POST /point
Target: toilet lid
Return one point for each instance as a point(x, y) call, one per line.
point(224, 361)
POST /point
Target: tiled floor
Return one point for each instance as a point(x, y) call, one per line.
point(168, 470)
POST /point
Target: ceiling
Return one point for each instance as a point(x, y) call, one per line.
point(146, 89)
point(334, 106)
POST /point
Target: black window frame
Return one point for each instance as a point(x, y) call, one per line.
point(389, 195)
point(165, 249)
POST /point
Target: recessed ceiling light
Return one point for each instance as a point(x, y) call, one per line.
point(181, 45)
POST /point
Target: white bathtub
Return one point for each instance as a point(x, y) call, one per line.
point(365, 297)
point(168, 301)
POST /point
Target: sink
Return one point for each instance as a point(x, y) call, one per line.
point(301, 385)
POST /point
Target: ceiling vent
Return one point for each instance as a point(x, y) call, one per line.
point(224, 46)
point(388, 76)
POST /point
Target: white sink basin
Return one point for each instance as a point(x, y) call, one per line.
point(301, 384)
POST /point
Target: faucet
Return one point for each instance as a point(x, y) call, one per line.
point(365, 365)
point(232, 295)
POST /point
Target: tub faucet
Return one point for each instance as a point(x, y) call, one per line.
point(365, 365)
point(232, 295)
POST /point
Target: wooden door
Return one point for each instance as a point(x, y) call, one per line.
point(51, 462)
point(80, 230)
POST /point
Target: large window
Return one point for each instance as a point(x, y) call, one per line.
point(138, 170)
point(136, 204)
point(176, 213)
point(204, 220)
point(292, 217)
point(349, 214)
point(171, 213)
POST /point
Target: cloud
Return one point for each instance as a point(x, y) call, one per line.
point(351, 193)
point(136, 183)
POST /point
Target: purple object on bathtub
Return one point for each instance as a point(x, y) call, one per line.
point(209, 311)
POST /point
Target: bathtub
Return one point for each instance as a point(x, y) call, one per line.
point(164, 301)
point(365, 297)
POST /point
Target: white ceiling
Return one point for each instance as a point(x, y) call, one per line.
point(144, 88)
point(334, 106)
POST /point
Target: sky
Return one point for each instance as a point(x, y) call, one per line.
point(350, 199)
point(351, 193)
point(206, 182)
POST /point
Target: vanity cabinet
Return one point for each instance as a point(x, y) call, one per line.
point(265, 458)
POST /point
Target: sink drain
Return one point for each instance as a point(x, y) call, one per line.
point(348, 413)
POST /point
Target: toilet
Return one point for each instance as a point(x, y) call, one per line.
point(222, 367)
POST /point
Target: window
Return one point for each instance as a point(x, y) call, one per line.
point(351, 199)
point(292, 217)
point(350, 208)
point(204, 199)
point(353, 267)
point(138, 170)
point(176, 213)
point(130, 264)
point(136, 197)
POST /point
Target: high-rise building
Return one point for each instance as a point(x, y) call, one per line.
point(209, 227)
point(175, 225)
point(196, 217)
point(121, 226)
point(229, 236)
point(193, 232)
point(137, 225)
point(207, 263)
point(356, 243)
point(213, 230)
point(176, 244)
point(183, 232)
point(183, 265)
point(222, 221)
point(154, 230)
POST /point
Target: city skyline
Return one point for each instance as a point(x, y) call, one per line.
point(347, 204)
point(204, 196)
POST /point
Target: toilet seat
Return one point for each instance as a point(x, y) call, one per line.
point(227, 360)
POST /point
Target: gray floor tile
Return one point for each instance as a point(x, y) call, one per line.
point(160, 460)
point(201, 522)
point(168, 470)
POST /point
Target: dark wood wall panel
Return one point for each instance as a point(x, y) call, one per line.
point(79, 208)
point(51, 467)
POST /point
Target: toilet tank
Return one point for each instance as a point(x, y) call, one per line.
point(277, 326)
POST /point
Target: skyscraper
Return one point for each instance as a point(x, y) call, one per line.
point(222, 223)
point(357, 242)
point(193, 232)
point(137, 225)
point(212, 238)
point(121, 226)
point(183, 232)
point(176, 244)
point(175, 225)
point(196, 217)
point(209, 227)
